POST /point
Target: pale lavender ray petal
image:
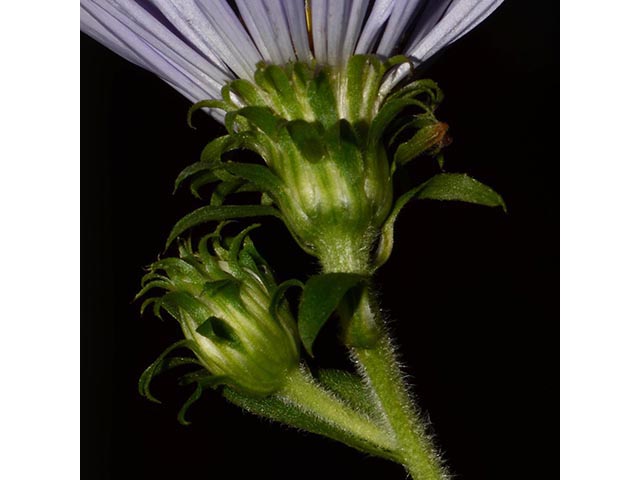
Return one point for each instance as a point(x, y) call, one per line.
point(188, 20)
point(190, 90)
point(481, 18)
point(297, 20)
point(402, 14)
point(267, 23)
point(160, 50)
point(337, 23)
point(319, 29)
point(241, 53)
point(355, 20)
point(457, 20)
point(139, 24)
point(374, 25)
point(193, 23)
point(431, 15)
point(93, 28)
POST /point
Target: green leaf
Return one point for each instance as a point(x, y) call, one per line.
point(385, 244)
point(460, 187)
point(321, 296)
point(444, 186)
point(161, 364)
point(214, 213)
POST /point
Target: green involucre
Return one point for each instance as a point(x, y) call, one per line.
point(222, 294)
point(323, 134)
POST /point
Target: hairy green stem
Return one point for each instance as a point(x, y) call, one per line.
point(304, 403)
point(304, 392)
point(373, 353)
point(379, 367)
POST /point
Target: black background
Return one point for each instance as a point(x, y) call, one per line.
point(472, 294)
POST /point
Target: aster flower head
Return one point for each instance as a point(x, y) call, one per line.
point(313, 87)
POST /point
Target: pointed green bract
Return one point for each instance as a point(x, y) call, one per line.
point(322, 99)
point(205, 104)
point(159, 365)
point(258, 175)
point(190, 401)
point(431, 137)
point(420, 88)
point(249, 92)
point(308, 139)
point(217, 213)
point(278, 295)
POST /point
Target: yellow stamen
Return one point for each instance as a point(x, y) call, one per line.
point(307, 9)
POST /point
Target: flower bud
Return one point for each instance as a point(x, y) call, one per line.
point(227, 305)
